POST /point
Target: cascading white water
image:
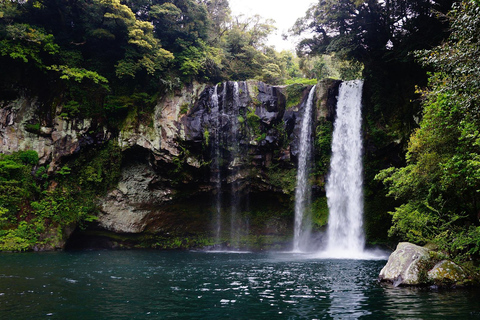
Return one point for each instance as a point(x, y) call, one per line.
point(235, 228)
point(216, 166)
point(302, 192)
point(344, 183)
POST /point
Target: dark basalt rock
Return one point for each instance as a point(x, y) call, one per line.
point(272, 105)
point(169, 179)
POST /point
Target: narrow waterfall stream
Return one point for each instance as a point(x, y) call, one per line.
point(216, 167)
point(235, 221)
point(302, 226)
point(344, 183)
point(225, 110)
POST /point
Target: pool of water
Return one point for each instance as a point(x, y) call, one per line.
point(212, 285)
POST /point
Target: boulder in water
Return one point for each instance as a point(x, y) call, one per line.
point(404, 265)
point(447, 273)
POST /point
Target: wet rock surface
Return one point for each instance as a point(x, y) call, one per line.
point(192, 139)
point(404, 264)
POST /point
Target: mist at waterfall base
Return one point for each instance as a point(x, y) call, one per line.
point(147, 284)
point(344, 238)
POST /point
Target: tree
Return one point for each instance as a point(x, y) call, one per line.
point(380, 35)
point(244, 47)
point(440, 185)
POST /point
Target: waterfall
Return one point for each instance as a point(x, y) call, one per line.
point(235, 222)
point(302, 192)
point(216, 166)
point(344, 183)
point(226, 130)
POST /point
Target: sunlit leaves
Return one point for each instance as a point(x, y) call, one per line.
point(77, 74)
point(145, 52)
point(27, 43)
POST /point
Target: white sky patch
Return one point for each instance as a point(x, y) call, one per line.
point(284, 12)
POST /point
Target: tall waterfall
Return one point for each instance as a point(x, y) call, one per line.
point(344, 183)
point(224, 123)
point(216, 167)
point(302, 226)
point(235, 221)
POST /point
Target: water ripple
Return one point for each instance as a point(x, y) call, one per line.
point(185, 285)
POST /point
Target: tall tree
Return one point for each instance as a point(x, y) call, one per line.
point(439, 187)
point(380, 35)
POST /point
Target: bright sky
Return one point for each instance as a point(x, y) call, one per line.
point(284, 12)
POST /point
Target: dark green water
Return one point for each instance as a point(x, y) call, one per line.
point(197, 285)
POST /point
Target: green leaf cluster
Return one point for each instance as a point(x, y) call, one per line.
point(36, 207)
point(440, 185)
point(88, 56)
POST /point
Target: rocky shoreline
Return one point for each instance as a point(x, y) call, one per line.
point(412, 265)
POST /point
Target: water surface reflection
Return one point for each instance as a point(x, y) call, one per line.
point(186, 285)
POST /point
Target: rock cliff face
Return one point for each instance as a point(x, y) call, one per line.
point(23, 128)
point(204, 154)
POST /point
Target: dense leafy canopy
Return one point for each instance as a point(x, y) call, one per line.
point(380, 35)
point(97, 53)
point(441, 183)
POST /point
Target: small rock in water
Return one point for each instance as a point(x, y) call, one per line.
point(446, 273)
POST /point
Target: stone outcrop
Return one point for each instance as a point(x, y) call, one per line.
point(412, 265)
point(162, 132)
point(447, 272)
point(53, 138)
point(171, 154)
point(404, 264)
point(246, 128)
point(123, 209)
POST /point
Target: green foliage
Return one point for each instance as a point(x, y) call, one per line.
point(71, 109)
point(253, 122)
point(28, 157)
point(64, 171)
point(97, 170)
point(27, 43)
point(33, 128)
point(271, 73)
point(440, 184)
point(284, 179)
point(320, 212)
point(17, 240)
point(294, 94)
point(322, 66)
point(16, 182)
point(34, 212)
point(78, 74)
point(304, 81)
point(206, 136)
point(184, 108)
point(323, 146)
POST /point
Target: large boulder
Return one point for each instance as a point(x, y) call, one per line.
point(404, 265)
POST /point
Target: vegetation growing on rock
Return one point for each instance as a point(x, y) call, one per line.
point(124, 66)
